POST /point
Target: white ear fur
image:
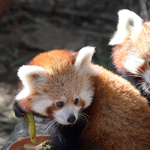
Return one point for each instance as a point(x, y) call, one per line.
point(31, 77)
point(83, 60)
point(129, 23)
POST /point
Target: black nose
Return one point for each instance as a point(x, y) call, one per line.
point(71, 119)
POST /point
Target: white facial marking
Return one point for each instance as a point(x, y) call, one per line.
point(23, 94)
point(132, 63)
point(63, 98)
point(62, 115)
point(40, 106)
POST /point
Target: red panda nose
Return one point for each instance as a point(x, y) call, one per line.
point(71, 119)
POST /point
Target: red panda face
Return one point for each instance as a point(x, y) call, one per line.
point(57, 85)
point(131, 53)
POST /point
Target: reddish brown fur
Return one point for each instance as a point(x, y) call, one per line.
point(119, 116)
point(50, 110)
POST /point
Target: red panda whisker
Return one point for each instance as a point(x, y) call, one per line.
point(84, 117)
point(81, 121)
point(49, 126)
point(138, 75)
point(140, 87)
point(58, 124)
point(140, 71)
point(146, 94)
point(140, 82)
point(147, 88)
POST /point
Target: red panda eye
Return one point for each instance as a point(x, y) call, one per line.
point(59, 104)
point(76, 101)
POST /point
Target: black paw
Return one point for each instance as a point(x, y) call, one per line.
point(19, 112)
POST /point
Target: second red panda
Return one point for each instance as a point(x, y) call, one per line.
point(131, 51)
point(64, 85)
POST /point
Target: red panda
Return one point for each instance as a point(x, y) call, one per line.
point(63, 85)
point(58, 84)
point(131, 51)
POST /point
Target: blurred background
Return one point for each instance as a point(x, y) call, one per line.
point(28, 27)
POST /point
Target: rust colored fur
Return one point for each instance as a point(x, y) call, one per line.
point(119, 116)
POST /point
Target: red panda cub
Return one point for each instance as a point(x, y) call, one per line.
point(131, 51)
point(58, 84)
point(64, 85)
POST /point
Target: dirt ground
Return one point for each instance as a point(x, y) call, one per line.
point(30, 28)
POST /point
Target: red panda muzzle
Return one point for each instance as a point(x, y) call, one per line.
point(71, 119)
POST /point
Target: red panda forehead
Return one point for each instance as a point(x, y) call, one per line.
point(62, 78)
point(68, 84)
point(57, 63)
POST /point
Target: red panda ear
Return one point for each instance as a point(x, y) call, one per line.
point(83, 61)
point(32, 74)
point(129, 24)
point(31, 77)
